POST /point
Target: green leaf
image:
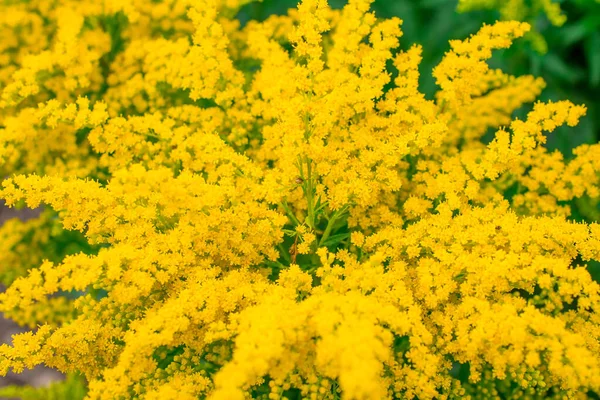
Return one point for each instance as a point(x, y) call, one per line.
point(592, 51)
point(334, 240)
point(573, 33)
point(556, 66)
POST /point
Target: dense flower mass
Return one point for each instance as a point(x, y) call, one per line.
point(274, 210)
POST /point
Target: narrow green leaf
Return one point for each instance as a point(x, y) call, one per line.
point(592, 51)
point(335, 239)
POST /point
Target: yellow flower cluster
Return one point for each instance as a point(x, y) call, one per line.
point(521, 10)
point(275, 211)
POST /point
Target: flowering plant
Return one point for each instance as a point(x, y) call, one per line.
point(275, 211)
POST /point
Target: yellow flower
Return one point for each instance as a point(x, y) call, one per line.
point(268, 211)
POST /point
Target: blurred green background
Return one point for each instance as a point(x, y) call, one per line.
point(571, 66)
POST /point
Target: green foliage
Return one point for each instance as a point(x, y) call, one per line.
point(72, 388)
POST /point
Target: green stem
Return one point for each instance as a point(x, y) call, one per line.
point(285, 254)
point(309, 195)
point(330, 224)
point(289, 213)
